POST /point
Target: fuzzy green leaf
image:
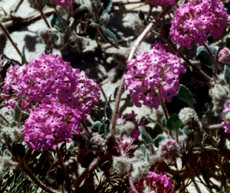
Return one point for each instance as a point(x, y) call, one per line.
point(13, 124)
point(173, 123)
point(16, 113)
point(55, 37)
point(187, 129)
point(158, 139)
point(107, 6)
point(56, 22)
point(141, 15)
point(163, 121)
point(145, 136)
point(96, 126)
point(11, 61)
point(109, 34)
point(104, 128)
point(23, 56)
point(227, 74)
point(185, 95)
point(203, 55)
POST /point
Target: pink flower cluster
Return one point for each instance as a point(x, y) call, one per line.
point(63, 3)
point(226, 117)
point(224, 55)
point(48, 77)
point(153, 75)
point(159, 183)
point(169, 149)
point(49, 81)
point(49, 124)
point(192, 23)
point(161, 2)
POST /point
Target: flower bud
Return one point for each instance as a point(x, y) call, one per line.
point(224, 56)
point(37, 4)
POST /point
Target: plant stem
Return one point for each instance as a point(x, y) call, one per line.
point(9, 37)
point(188, 62)
point(22, 165)
point(166, 114)
point(85, 127)
point(33, 177)
point(202, 83)
point(213, 59)
point(44, 18)
point(63, 170)
point(18, 5)
point(106, 38)
point(213, 126)
point(131, 181)
point(92, 166)
point(4, 119)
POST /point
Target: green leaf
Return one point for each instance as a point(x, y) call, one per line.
point(228, 42)
point(158, 139)
point(145, 136)
point(55, 37)
point(96, 126)
point(185, 95)
point(104, 128)
point(187, 129)
point(173, 123)
point(128, 43)
point(151, 119)
point(145, 153)
point(56, 21)
point(13, 124)
point(107, 6)
point(11, 61)
point(143, 149)
point(141, 15)
point(18, 149)
point(163, 121)
point(210, 38)
point(109, 34)
point(16, 113)
point(7, 153)
point(23, 56)
point(227, 74)
point(203, 55)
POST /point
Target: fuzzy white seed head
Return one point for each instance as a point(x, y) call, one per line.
point(188, 116)
point(120, 165)
point(141, 169)
point(219, 92)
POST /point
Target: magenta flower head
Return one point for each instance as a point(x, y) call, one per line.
point(224, 56)
point(49, 124)
point(153, 75)
point(191, 23)
point(62, 3)
point(157, 3)
point(159, 183)
point(226, 117)
point(47, 78)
